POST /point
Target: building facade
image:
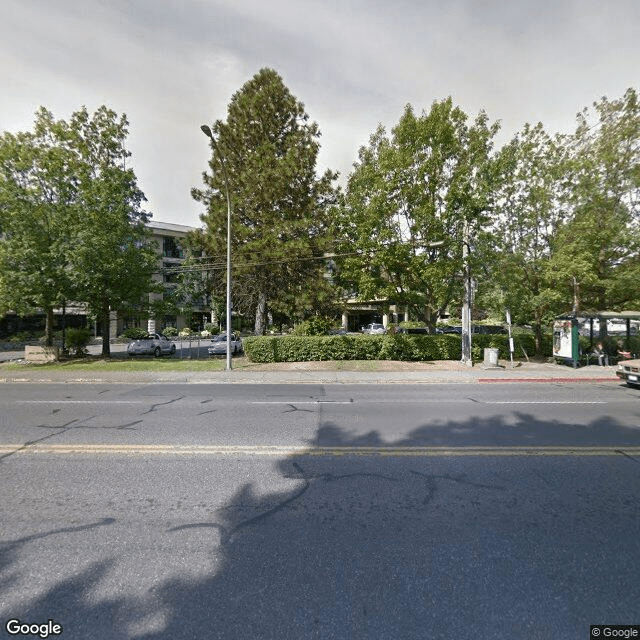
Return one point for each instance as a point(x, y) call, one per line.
point(169, 240)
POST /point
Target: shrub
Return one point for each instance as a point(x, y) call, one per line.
point(134, 333)
point(170, 332)
point(524, 344)
point(25, 336)
point(352, 347)
point(77, 340)
point(316, 326)
point(378, 347)
point(411, 324)
point(211, 328)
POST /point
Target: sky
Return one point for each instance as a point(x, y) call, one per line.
point(172, 65)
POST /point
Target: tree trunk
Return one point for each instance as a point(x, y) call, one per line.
point(427, 318)
point(576, 297)
point(261, 315)
point(48, 328)
point(537, 337)
point(106, 327)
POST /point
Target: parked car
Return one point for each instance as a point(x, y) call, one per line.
point(489, 329)
point(445, 328)
point(374, 328)
point(219, 345)
point(629, 371)
point(156, 345)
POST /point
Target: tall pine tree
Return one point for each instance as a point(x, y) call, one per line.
point(280, 206)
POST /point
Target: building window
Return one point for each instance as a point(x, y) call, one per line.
point(169, 273)
point(169, 321)
point(171, 248)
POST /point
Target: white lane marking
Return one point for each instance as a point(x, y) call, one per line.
point(543, 402)
point(288, 402)
point(83, 401)
point(409, 402)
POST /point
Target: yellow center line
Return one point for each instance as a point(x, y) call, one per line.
point(286, 450)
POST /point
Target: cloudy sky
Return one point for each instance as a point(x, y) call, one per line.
point(172, 65)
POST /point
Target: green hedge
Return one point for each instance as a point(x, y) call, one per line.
point(378, 347)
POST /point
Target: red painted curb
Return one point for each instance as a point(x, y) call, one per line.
point(548, 380)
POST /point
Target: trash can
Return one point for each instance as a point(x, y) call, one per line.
point(491, 357)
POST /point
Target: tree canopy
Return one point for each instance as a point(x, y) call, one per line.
point(552, 222)
point(280, 206)
point(597, 249)
point(412, 199)
point(567, 217)
point(71, 218)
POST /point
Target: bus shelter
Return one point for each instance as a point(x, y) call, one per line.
point(566, 331)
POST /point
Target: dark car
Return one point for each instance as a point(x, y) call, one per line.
point(489, 329)
point(448, 329)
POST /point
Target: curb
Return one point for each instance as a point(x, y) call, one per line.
point(305, 377)
point(484, 380)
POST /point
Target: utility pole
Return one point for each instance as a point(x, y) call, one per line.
point(468, 299)
point(207, 132)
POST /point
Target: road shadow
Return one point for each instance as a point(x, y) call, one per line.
point(408, 546)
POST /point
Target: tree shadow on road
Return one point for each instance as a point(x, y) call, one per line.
point(404, 546)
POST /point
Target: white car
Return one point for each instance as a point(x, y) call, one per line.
point(219, 345)
point(629, 371)
point(156, 345)
point(375, 328)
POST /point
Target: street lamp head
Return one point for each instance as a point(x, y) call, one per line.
point(207, 131)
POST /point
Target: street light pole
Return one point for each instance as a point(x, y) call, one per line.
point(467, 300)
point(207, 132)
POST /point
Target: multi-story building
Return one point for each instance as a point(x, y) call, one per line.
point(193, 313)
point(169, 238)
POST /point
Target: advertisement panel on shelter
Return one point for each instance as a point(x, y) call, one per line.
point(563, 339)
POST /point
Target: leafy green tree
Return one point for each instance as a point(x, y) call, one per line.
point(596, 257)
point(412, 200)
point(280, 205)
point(72, 219)
point(529, 208)
point(38, 190)
point(113, 259)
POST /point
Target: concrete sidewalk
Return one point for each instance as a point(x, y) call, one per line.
point(301, 373)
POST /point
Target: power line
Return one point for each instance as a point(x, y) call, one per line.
point(214, 266)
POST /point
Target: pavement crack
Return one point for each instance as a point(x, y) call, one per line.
point(227, 536)
point(32, 443)
point(38, 536)
point(200, 525)
point(163, 404)
point(458, 480)
point(294, 408)
point(124, 426)
point(626, 455)
point(266, 514)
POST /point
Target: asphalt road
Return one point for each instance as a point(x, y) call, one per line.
point(320, 511)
